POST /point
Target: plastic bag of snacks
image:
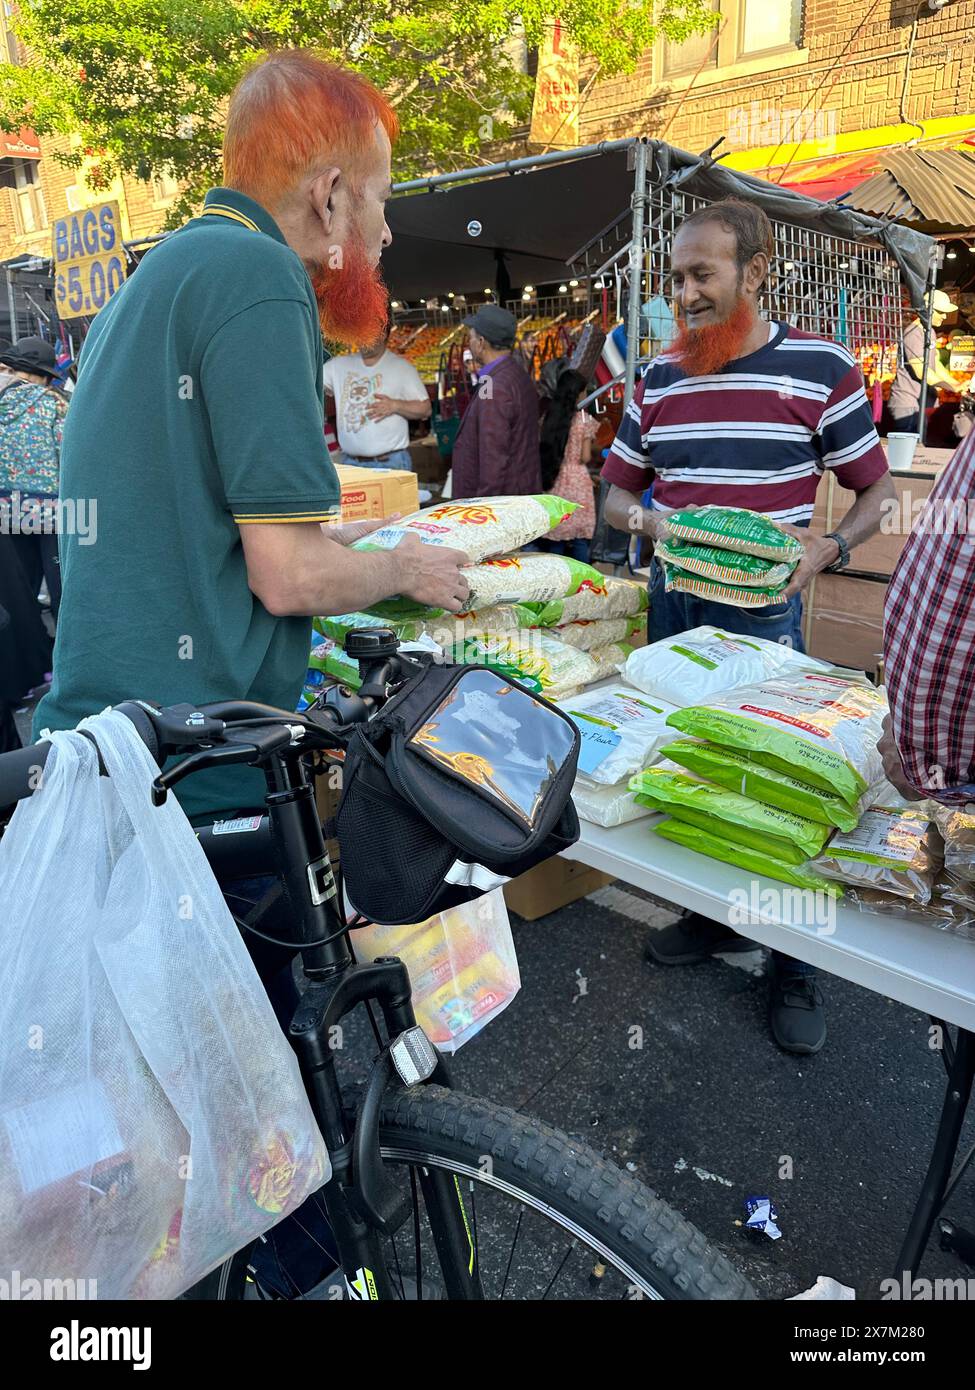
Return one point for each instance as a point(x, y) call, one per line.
point(726, 566)
point(607, 598)
point(734, 528)
point(738, 773)
point(480, 526)
point(957, 827)
point(696, 664)
point(536, 659)
point(821, 729)
point(743, 857)
point(782, 834)
point(462, 964)
point(609, 660)
point(606, 806)
point(598, 632)
point(683, 582)
point(893, 850)
point(621, 730)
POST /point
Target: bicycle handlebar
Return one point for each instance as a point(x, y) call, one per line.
point(195, 730)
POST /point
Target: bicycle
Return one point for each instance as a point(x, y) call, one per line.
point(409, 1154)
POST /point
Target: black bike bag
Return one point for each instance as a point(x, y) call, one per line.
point(462, 780)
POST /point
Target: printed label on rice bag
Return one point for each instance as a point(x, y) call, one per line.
point(882, 837)
point(597, 744)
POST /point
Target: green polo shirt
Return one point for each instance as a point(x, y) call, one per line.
point(198, 410)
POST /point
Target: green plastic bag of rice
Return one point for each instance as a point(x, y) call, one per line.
point(783, 834)
point(609, 598)
point(536, 659)
point(329, 657)
point(818, 728)
point(738, 773)
point(480, 526)
point(683, 582)
point(734, 528)
point(336, 629)
point(755, 861)
point(726, 566)
point(507, 579)
point(893, 849)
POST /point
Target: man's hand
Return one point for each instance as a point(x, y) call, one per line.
point(349, 531)
point(431, 574)
point(818, 553)
point(893, 767)
point(381, 406)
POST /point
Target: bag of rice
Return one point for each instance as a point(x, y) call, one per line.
point(539, 661)
point(782, 834)
point(892, 849)
point(336, 629)
point(694, 665)
point(609, 598)
point(481, 527)
point(734, 528)
point(329, 657)
point(957, 827)
point(755, 861)
point(683, 582)
point(609, 660)
point(621, 731)
point(587, 633)
point(820, 729)
point(606, 806)
point(725, 566)
point(454, 627)
point(738, 773)
point(507, 579)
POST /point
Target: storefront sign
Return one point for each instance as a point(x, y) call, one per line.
point(89, 262)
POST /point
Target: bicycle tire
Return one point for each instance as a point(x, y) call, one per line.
point(664, 1255)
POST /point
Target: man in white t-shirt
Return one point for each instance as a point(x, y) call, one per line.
point(377, 393)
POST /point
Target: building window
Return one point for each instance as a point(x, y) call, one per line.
point(164, 187)
point(683, 58)
point(21, 176)
point(768, 25)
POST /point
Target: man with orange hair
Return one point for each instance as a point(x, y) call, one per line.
point(196, 426)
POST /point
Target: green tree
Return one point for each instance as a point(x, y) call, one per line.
point(144, 83)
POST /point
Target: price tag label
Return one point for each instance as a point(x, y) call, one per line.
point(597, 744)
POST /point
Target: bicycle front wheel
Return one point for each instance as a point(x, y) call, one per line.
point(550, 1218)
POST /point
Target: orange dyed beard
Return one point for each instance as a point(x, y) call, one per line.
point(352, 301)
point(702, 351)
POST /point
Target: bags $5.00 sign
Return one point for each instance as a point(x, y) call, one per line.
point(89, 262)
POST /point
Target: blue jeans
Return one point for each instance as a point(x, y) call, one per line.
point(399, 458)
point(577, 549)
point(779, 622)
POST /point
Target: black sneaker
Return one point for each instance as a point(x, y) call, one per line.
point(693, 939)
point(796, 1014)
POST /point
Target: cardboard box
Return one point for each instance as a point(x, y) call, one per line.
point(376, 492)
point(881, 552)
point(846, 620)
point(549, 886)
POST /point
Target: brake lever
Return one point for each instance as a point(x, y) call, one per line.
point(238, 746)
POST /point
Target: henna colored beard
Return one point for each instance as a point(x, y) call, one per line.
point(703, 351)
point(352, 299)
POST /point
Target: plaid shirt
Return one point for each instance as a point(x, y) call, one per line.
point(929, 639)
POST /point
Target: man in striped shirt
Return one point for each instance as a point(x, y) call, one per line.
point(741, 412)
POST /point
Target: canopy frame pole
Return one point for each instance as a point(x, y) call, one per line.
point(639, 204)
point(925, 316)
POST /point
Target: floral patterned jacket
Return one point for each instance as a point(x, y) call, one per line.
point(31, 422)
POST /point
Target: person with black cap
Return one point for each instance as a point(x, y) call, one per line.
point(31, 422)
point(496, 451)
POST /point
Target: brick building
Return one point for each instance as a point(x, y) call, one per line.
point(786, 81)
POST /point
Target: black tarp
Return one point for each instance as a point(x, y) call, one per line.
point(537, 218)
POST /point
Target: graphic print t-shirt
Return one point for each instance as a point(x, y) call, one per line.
point(355, 386)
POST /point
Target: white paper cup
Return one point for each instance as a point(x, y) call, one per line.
point(900, 448)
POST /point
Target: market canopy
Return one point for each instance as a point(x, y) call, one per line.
point(528, 220)
point(930, 188)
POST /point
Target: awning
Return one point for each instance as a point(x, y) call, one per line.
point(930, 188)
point(21, 144)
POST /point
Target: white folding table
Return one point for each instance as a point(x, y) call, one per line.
point(917, 965)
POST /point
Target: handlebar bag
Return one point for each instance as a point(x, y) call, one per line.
point(462, 781)
point(152, 1116)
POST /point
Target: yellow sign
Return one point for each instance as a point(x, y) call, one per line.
point(89, 261)
point(555, 111)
